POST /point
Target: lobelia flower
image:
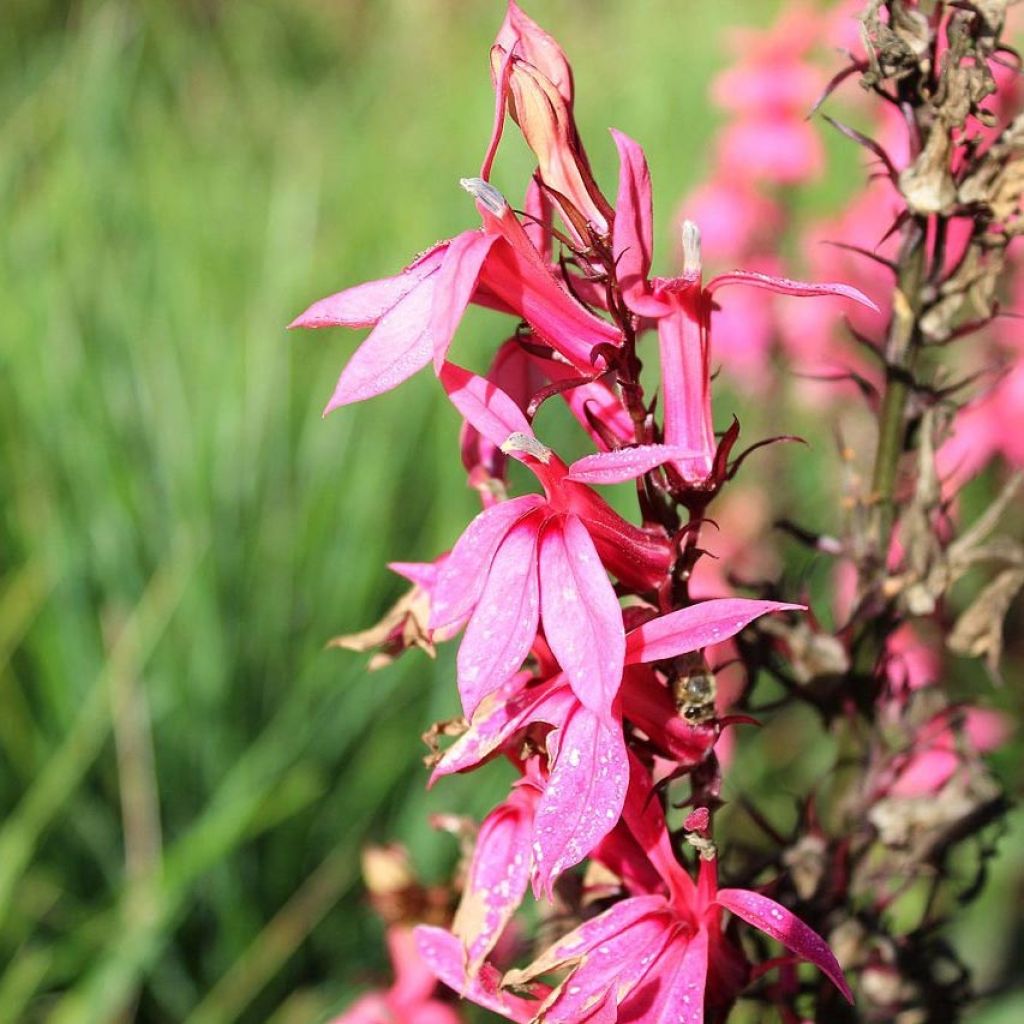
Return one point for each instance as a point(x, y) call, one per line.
point(681, 309)
point(414, 315)
point(533, 81)
point(662, 952)
point(561, 812)
point(541, 560)
point(410, 999)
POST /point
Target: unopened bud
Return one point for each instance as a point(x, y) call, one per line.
point(524, 444)
point(691, 249)
point(484, 192)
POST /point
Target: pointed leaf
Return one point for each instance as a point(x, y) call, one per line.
point(502, 629)
point(581, 614)
point(583, 797)
point(783, 925)
point(625, 463)
point(699, 625)
point(784, 286)
point(445, 956)
point(464, 573)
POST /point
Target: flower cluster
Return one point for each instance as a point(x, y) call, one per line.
point(586, 659)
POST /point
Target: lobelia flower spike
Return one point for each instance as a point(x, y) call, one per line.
point(655, 952)
point(415, 314)
point(681, 309)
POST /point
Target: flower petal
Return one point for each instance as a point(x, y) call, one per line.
point(484, 405)
point(700, 625)
point(445, 956)
point(498, 876)
point(456, 281)
point(625, 463)
point(464, 573)
point(631, 231)
point(783, 925)
point(583, 797)
point(503, 627)
point(784, 286)
point(581, 614)
point(590, 935)
point(501, 714)
point(365, 304)
point(394, 350)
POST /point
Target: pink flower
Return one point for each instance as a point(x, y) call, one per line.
point(681, 309)
point(654, 953)
point(541, 560)
point(584, 783)
point(415, 314)
point(410, 999)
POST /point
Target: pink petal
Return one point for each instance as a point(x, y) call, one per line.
point(625, 463)
point(498, 876)
point(581, 614)
point(700, 625)
point(503, 627)
point(431, 1012)
point(781, 924)
point(365, 304)
point(503, 713)
point(785, 286)
point(610, 972)
point(501, 66)
point(484, 405)
point(631, 231)
point(590, 935)
point(369, 1009)
point(445, 956)
point(414, 981)
point(540, 48)
point(395, 349)
point(462, 578)
point(583, 796)
point(456, 281)
point(645, 819)
point(680, 997)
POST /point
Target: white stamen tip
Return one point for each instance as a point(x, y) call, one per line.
point(691, 248)
point(484, 192)
point(524, 444)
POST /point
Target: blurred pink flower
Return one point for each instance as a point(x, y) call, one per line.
point(410, 999)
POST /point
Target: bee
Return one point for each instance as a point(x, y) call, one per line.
point(694, 693)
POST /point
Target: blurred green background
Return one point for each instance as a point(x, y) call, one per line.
point(186, 775)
